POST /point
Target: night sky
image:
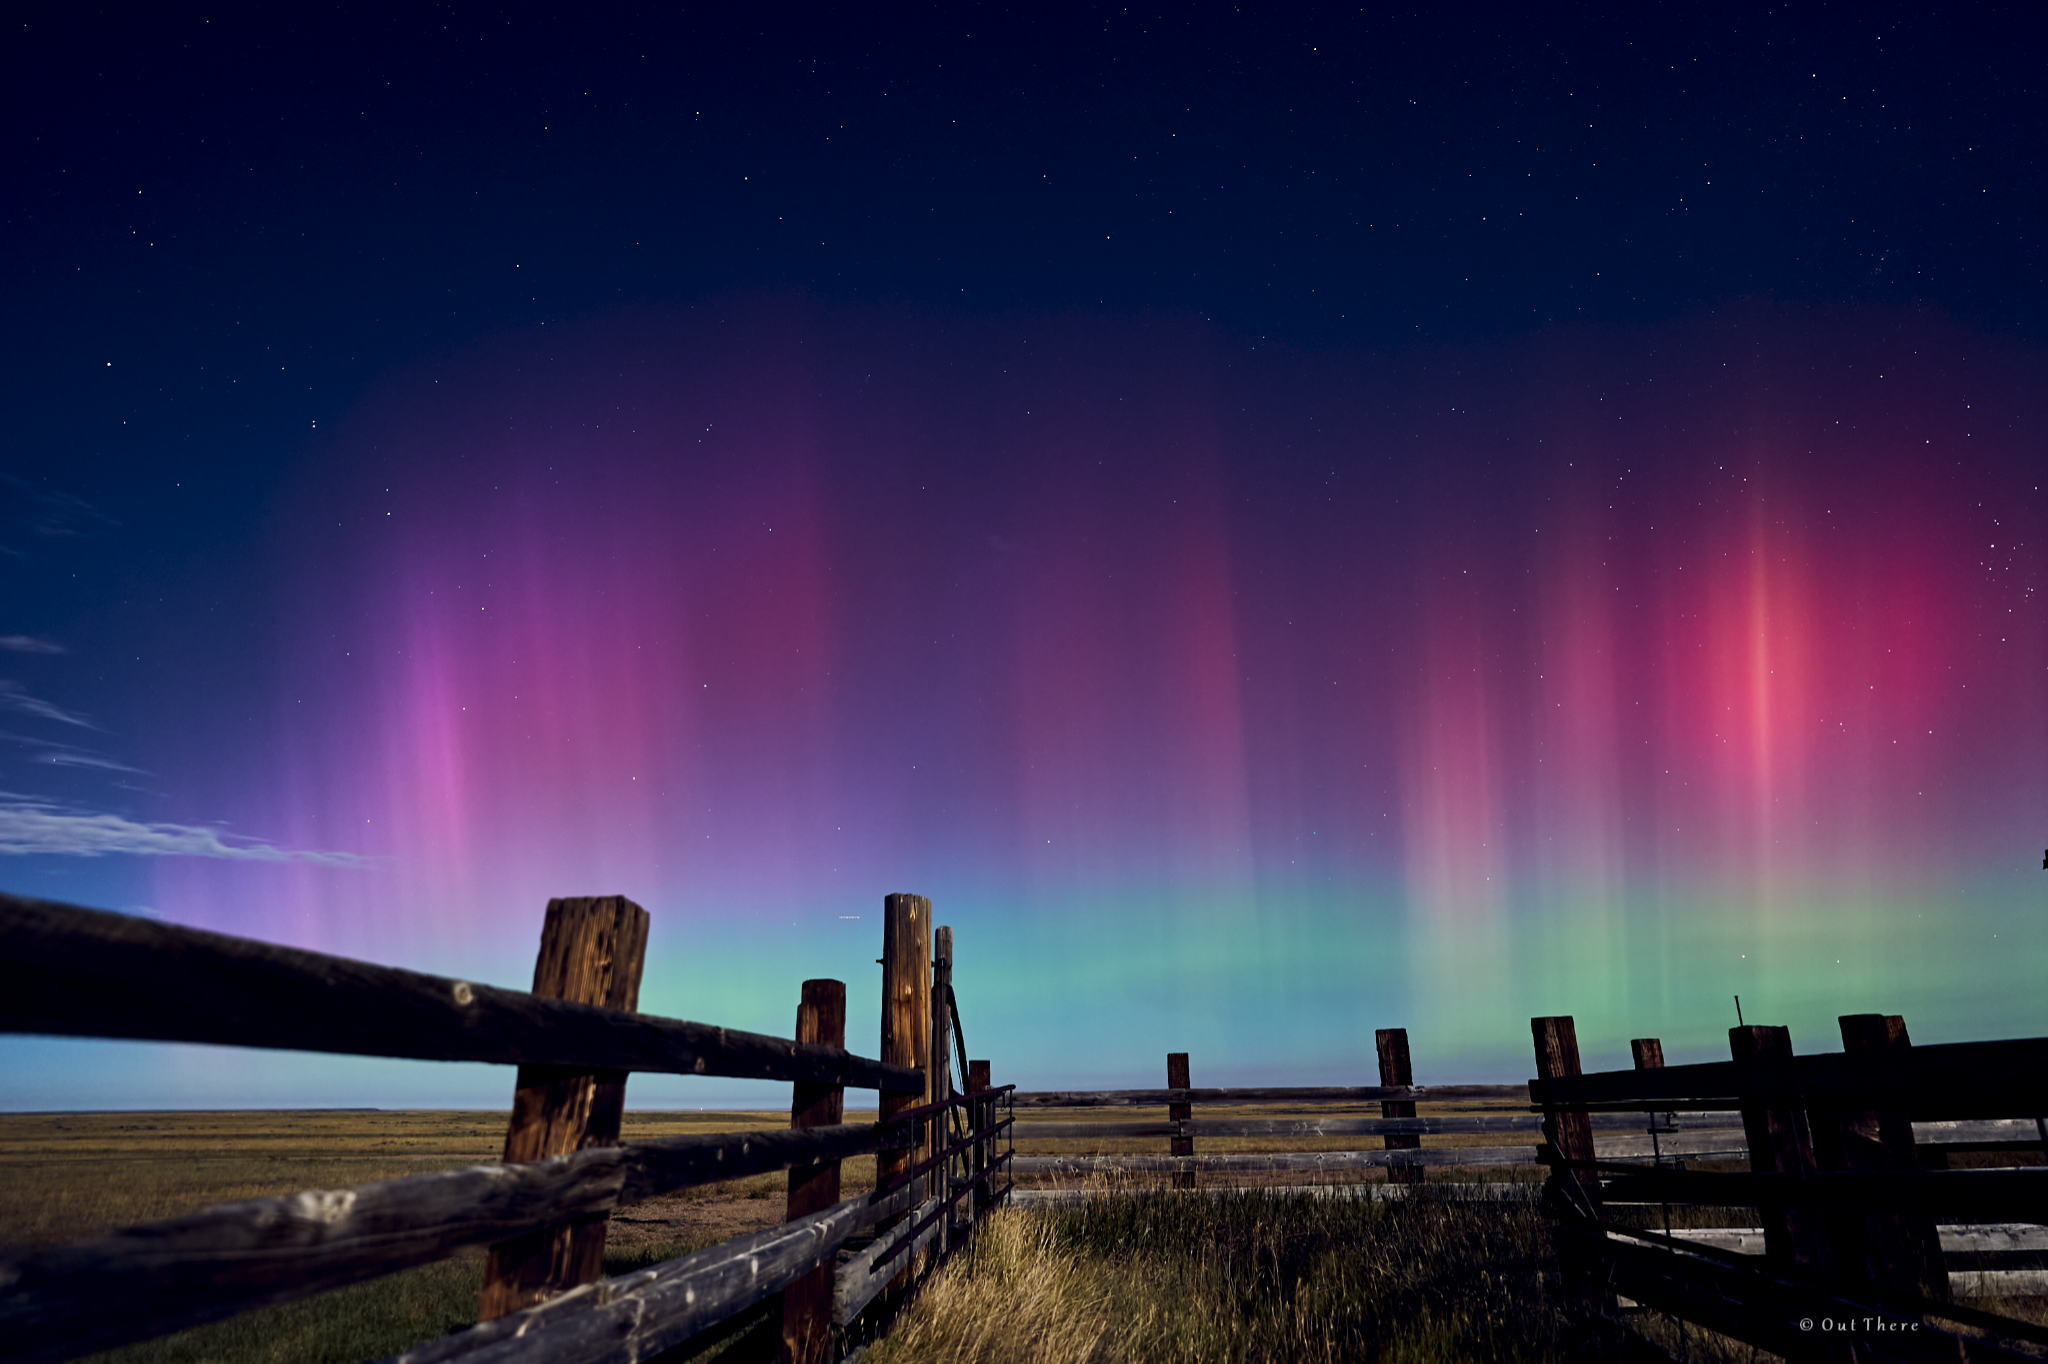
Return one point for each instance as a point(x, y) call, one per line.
point(1282, 523)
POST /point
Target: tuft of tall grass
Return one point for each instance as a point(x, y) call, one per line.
point(1252, 1277)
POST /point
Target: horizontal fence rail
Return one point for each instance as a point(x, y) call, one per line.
point(1848, 1156)
point(1950, 1081)
point(1699, 1133)
point(1452, 1125)
point(637, 1316)
point(1328, 1162)
point(90, 973)
point(2019, 1193)
point(207, 1265)
point(1154, 1098)
point(1766, 1308)
point(73, 971)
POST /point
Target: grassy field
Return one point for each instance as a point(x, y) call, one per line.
point(64, 1176)
point(1262, 1276)
point(1432, 1281)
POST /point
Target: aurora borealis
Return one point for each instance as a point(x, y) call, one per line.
point(1228, 693)
point(1208, 712)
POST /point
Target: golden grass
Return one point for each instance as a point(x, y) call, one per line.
point(1254, 1278)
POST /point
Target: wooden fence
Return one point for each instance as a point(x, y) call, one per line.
point(1633, 1137)
point(1401, 1155)
point(542, 1213)
point(1849, 1170)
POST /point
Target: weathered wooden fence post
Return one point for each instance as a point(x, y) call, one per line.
point(591, 951)
point(807, 1303)
point(1396, 1069)
point(1181, 1144)
point(1899, 1250)
point(939, 1079)
point(906, 1027)
point(1568, 1130)
point(1569, 1133)
point(982, 1114)
point(1779, 1142)
point(1648, 1053)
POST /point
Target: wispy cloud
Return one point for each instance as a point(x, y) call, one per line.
point(28, 825)
point(29, 644)
point(15, 697)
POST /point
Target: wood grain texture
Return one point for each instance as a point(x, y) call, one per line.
point(906, 1021)
point(76, 972)
point(858, 1281)
point(592, 949)
point(666, 1164)
point(807, 1302)
point(1567, 1129)
point(1646, 1052)
point(1572, 1191)
point(637, 1317)
point(1723, 1144)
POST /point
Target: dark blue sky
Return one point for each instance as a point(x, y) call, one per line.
point(251, 215)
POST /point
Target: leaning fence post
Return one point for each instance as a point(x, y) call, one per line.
point(592, 949)
point(1779, 1141)
point(1648, 1053)
point(940, 1080)
point(906, 1026)
point(1181, 1144)
point(1395, 1069)
point(807, 1303)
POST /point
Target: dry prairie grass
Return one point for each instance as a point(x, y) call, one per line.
point(1254, 1278)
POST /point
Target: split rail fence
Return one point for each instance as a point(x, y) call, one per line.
point(1401, 1154)
point(1849, 1158)
point(840, 1268)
